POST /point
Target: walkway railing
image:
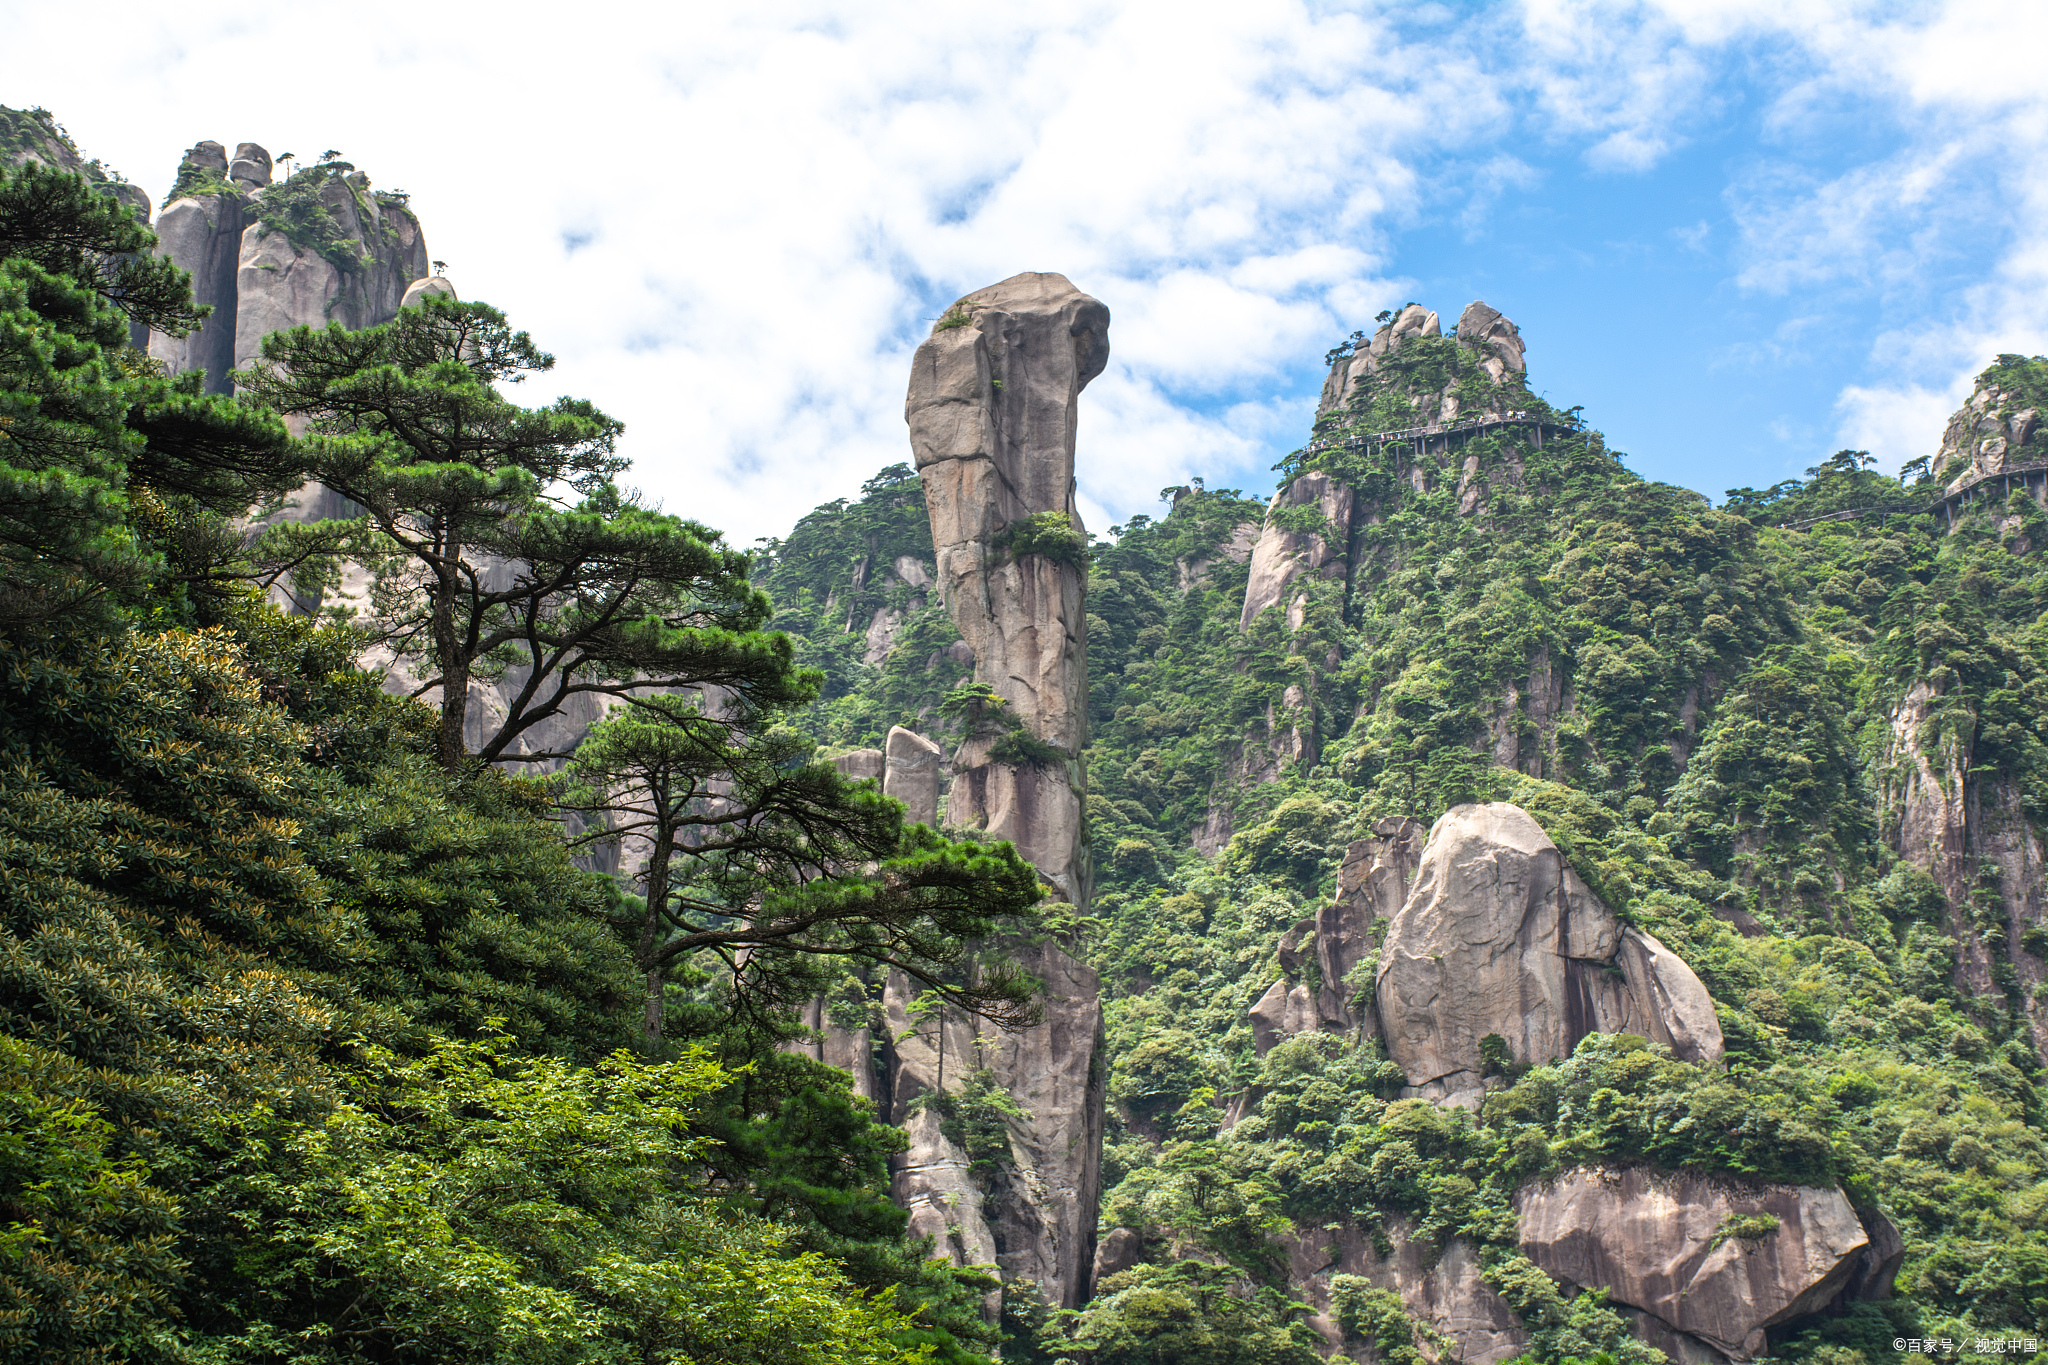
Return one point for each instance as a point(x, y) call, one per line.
point(1425, 434)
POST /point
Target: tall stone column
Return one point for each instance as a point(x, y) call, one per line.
point(992, 404)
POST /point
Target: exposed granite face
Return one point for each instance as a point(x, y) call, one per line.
point(1441, 1289)
point(280, 284)
point(1499, 936)
point(914, 771)
point(1372, 884)
point(203, 235)
point(1283, 555)
point(1658, 1243)
point(1037, 1214)
point(258, 281)
point(992, 407)
point(1989, 434)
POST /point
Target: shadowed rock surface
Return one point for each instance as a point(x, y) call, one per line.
point(1443, 1291)
point(992, 407)
point(1662, 1244)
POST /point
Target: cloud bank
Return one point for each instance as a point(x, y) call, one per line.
point(733, 224)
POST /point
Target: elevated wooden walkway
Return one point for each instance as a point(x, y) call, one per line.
point(2027, 473)
point(1423, 437)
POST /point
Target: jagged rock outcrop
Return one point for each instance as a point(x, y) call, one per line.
point(1990, 434)
point(1487, 931)
point(1316, 530)
point(1484, 329)
point(1285, 553)
point(1662, 1244)
point(1441, 1289)
point(1966, 826)
point(260, 277)
point(1499, 936)
point(991, 407)
point(281, 283)
point(1348, 372)
point(1372, 883)
point(1037, 1213)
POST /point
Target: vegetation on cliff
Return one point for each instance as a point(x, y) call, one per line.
point(318, 1044)
point(1717, 755)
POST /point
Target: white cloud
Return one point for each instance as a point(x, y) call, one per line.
point(731, 222)
point(1895, 424)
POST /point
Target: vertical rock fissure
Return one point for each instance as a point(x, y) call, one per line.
point(991, 409)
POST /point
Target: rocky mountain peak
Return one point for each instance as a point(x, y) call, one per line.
point(1998, 429)
point(1486, 346)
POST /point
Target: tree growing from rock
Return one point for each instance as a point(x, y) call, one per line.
point(499, 543)
point(775, 864)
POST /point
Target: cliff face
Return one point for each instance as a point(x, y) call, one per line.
point(319, 247)
point(992, 412)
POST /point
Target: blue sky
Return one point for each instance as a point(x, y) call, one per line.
point(1742, 234)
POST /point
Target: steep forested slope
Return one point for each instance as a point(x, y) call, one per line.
point(1798, 738)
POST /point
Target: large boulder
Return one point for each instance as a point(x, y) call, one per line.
point(419, 289)
point(913, 768)
point(1499, 341)
point(1665, 1244)
point(1500, 937)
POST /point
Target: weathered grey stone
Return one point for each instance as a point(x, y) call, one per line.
point(1121, 1250)
point(204, 237)
point(861, 765)
point(1041, 1207)
point(991, 407)
point(1500, 342)
point(256, 156)
point(1657, 1243)
point(880, 636)
point(281, 285)
point(419, 289)
point(208, 156)
point(912, 571)
point(1499, 936)
point(1481, 328)
point(249, 174)
point(1987, 435)
point(1663, 1001)
point(1283, 555)
point(1444, 1291)
point(1878, 1269)
point(1372, 884)
point(1286, 1009)
point(932, 1182)
point(914, 767)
